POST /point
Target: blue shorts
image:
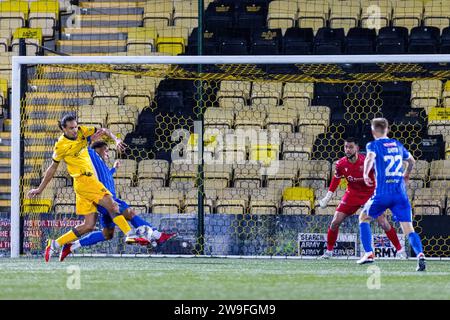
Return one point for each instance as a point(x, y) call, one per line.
point(104, 217)
point(398, 203)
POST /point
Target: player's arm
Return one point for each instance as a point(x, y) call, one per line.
point(104, 131)
point(411, 162)
point(116, 166)
point(368, 166)
point(49, 173)
point(335, 181)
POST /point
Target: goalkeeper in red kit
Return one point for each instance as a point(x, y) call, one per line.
point(351, 167)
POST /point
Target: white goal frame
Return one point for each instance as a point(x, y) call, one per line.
point(19, 61)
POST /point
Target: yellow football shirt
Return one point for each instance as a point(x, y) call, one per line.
point(75, 153)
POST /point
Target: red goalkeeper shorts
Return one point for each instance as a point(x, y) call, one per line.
point(352, 202)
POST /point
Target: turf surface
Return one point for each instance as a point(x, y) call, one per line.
point(214, 278)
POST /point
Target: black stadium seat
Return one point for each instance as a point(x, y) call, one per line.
point(210, 43)
point(445, 41)
point(424, 40)
point(233, 42)
point(392, 40)
point(251, 14)
point(361, 41)
point(329, 41)
point(298, 41)
point(219, 15)
point(266, 42)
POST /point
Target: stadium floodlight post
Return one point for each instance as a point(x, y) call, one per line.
point(19, 61)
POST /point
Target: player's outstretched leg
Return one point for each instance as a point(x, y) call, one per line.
point(88, 240)
point(416, 244)
point(53, 246)
point(119, 220)
point(136, 222)
point(366, 239)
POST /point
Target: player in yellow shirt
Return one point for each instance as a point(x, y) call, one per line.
point(72, 148)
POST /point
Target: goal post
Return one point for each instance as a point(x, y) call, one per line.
point(133, 63)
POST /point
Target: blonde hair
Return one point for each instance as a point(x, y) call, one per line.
point(380, 124)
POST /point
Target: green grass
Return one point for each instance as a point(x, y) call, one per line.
point(214, 278)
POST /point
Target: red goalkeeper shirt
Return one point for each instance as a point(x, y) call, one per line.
point(353, 172)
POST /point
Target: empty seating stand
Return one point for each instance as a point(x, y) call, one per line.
point(329, 41)
point(424, 40)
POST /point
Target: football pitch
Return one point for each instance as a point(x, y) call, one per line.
point(220, 278)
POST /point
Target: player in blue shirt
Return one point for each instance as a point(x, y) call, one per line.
point(386, 156)
point(99, 154)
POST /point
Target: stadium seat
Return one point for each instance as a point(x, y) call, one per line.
point(234, 149)
point(267, 94)
point(419, 175)
point(172, 40)
point(152, 173)
point(285, 176)
point(166, 201)
point(392, 40)
point(313, 173)
point(249, 119)
point(13, 15)
point(281, 119)
point(210, 42)
point(234, 43)
point(376, 14)
point(297, 146)
point(247, 176)
point(426, 94)
point(266, 42)
point(313, 13)
point(182, 175)
point(407, 13)
point(44, 15)
point(219, 15)
point(429, 201)
point(297, 200)
point(361, 41)
point(298, 41)
point(125, 174)
point(157, 13)
point(282, 14)
point(136, 197)
point(424, 40)
point(185, 14)
point(33, 39)
point(251, 14)
point(217, 176)
point(298, 91)
point(191, 202)
point(315, 116)
point(445, 41)
point(232, 201)
point(437, 14)
point(141, 38)
point(344, 14)
point(264, 201)
point(329, 41)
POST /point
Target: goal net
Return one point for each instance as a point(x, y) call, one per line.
point(231, 153)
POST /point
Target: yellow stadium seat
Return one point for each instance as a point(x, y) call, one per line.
point(437, 13)
point(13, 15)
point(171, 45)
point(18, 7)
point(31, 206)
point(298, 193)
point(264, 154)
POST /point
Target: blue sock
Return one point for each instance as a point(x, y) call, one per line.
point(366, 236)
point(138, 221)
point(415, 242)
point(92, 238)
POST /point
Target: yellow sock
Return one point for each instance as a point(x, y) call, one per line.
point(66, 238)
point(122, 224)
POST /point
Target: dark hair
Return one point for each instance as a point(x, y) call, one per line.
point(99, 144)
point(351, 139)
point(67, 118)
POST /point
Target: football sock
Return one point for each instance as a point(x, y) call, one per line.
point(392, 235)
point(137, 221)
point(366, 236)
point(416, 244)
point(90, 239)
point(331, 238)
point(66, 238)
point(122, 224)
